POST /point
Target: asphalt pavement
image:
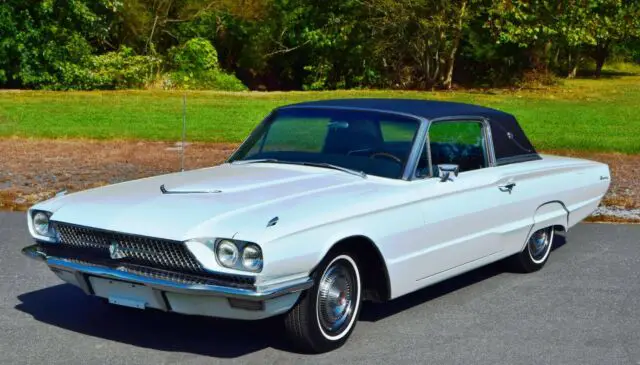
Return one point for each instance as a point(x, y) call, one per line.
point(583, 307)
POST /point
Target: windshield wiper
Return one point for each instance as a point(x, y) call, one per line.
point(362, 174)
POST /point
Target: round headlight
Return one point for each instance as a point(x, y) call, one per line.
point(252, 258)
point(41, 224)
point(227, 253)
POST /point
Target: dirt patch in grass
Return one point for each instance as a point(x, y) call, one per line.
point(35, 170)
point(625, 175)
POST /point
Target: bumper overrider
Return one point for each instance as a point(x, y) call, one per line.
point(146, 287)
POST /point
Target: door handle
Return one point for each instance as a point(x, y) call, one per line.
point(507, 187)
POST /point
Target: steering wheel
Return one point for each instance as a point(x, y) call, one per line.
point(386, 155)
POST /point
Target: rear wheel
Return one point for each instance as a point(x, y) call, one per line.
point(326, 314)
point(536, 251)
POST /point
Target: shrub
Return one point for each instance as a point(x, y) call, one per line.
point(55, 65)
point(113, 70)
point(123, 69)
point(204, 80)
point(195, 65)
point(535, 79)
point(196, 55)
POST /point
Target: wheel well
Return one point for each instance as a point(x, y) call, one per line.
point(375, 277)
point(559, 228)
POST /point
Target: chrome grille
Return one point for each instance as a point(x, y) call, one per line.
point(86, 256)
point(154, 252)
point(224, 280)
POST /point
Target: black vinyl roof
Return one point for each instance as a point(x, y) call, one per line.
point(429, 109)
point(509, 141)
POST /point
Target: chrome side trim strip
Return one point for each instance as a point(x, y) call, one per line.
point(263, 293)
point(416, 150)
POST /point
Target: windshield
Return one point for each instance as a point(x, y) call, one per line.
point(374, 143)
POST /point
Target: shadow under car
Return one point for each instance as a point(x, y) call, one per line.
point(67, 307)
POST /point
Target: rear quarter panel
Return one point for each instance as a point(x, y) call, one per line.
point(551, 191)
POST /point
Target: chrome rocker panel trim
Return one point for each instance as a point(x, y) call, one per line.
point(261, 293)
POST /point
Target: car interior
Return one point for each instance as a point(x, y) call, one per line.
point(365, 146)
point(447, 147)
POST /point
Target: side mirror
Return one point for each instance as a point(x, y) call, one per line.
point(445, 171)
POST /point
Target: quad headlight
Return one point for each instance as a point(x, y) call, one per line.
point(41, 224)
point(240, 255)
point(227, 253)
point(252, 258)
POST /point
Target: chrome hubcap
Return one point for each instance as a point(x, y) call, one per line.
point(539, 244)
point(336, 297)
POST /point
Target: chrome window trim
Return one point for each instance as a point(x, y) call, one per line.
point(489, 142)
point(416, 150)
point(486, 131)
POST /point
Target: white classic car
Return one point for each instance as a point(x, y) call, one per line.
point(326, 204)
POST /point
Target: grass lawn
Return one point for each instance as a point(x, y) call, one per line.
point(584, 114)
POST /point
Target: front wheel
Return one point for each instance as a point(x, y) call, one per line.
point(536, 252)
point(326, 314)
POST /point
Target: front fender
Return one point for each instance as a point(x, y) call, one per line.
point(393, 231)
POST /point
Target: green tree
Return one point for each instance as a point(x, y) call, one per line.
point(539, 25)
point(568, 25)
point(418, 40)
point(326, 43)
point(613, 22)
point(48, 44)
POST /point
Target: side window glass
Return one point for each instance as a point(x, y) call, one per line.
point(460, 143)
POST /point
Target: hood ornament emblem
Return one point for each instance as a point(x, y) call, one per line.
point(116, 252)
point(164, 190)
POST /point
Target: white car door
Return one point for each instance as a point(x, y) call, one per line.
point(462, 215)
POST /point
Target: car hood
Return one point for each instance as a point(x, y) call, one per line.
point(224, 201)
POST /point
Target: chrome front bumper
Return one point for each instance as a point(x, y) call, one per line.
point(82, 271)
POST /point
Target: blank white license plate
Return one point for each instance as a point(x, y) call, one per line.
point(123, 293)
point(126, 302)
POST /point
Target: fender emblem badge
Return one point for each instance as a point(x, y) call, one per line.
point(273, 222)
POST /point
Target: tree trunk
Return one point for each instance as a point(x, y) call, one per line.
point(539, 56)
point(602, 51)
point(573, 71)
point(448, 80)
point(556, 58)
point(599, 63)
point(572, 64)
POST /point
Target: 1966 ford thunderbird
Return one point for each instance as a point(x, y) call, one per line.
point(326, 204)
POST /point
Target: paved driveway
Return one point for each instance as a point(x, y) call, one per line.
point(582, 308)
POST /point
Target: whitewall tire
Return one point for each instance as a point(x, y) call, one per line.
point(327, 313)
point(536, 251)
